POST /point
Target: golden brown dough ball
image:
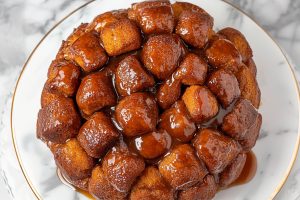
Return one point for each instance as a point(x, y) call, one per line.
point(77, 32)
point(201, 104)
point(64, 51)
point(237, 122)
point(249, 86)
point(153, 17)
point(104, 19)
point(232, 171)
point(179, 7)
point(87, 52)
point(177, 122)
point(168, 92)
point(58, 121)
point(95, 92)
point(192, 70)
point(243, 124)
point(47, 97)
point(63, 78)
point(225, 86)
point(181, 168)
point(201, 191)
point(252, 66)
point(122, 167)
point(252, 134)
point(161, 54)
point(223, 54)
point(194, 28)
point(120, 37)
point(216, 150)
point(151, 186)
point(97, 134)
point(100, 188)
point(72, 160)
point(131, 77)
point(239, 41)
point(137, 114)
point(153, 144)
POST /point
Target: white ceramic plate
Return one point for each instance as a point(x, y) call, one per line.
point(275, 149)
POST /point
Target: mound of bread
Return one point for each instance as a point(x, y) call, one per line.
point(151, 103)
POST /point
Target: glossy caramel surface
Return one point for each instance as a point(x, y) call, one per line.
point(152, 103)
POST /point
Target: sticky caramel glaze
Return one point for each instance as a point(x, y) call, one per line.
point(248, 171)
point(66, 182)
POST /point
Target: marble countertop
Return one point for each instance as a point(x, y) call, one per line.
point(24, 22)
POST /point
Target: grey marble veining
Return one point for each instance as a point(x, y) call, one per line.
point(24, 22)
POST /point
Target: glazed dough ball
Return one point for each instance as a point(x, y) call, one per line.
point(249, 86)
point(222, 54)
point(122, 167)
point(97, 134)
point(225, 86)
point(130, 76)
point(194, 28)
point(63, 78)
point(121, 37)
point(137, 114)
point(153, 144)
point(101, 188)
point(243, 123)
point(104, 19)
point(47, 97)
point(216, 150)
point(58, 121)
point(95, 92)
point(192, 70)
point(201, 104)
point(153, 17)
point(177, 122)
point(168, 92)
point(87, 52)
point(179, 7)
point(161, 54)
point(72, 160)
point(181, 168)
point(151, 185)
point(239, 41)
point(201, 191)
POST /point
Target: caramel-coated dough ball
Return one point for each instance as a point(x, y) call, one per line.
point(216, 150)
point(181, 168)
point(131, 77)
point(97, 134)
point(201, 104)
point(122, 167)
point(58, 121)
point(177, 122)
point(153, 17)
point(95, 92)
point(72, 160)
point(137, 114)
point(121, 37)
point(161, 54)
point(151, 186)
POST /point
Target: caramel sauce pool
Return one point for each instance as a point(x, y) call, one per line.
point(248, 172)
point(67, 183)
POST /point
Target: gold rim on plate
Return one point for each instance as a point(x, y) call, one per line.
point(38, 196)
